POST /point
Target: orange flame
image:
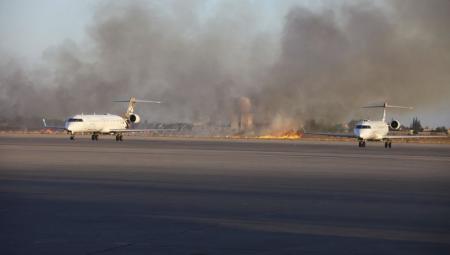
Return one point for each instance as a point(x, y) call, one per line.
point(284, 135)
point(47, 131)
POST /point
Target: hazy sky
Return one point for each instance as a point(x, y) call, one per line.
point(30, 28)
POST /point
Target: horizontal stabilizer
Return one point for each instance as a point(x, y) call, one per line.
point(386, 105)
point(138, 101)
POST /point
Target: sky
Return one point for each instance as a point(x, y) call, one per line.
point(30, 27)
point(35, 31)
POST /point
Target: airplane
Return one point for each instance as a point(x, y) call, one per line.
point(97, 124)
point(376, 130)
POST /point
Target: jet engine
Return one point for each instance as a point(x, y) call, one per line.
point(134, 118)
point(395, 124)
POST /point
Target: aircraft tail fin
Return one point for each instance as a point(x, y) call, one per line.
point(132, 103)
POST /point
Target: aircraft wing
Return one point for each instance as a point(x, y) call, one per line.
point(138, 130)
point(331, 134)
point(52, 127)
point(414, 136)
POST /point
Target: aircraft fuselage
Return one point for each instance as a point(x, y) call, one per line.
point(368, 130)
point(93, 123)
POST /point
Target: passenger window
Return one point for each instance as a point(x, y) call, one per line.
point(75, 120)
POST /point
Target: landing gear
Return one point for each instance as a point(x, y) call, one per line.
point(362, 144)
point(72, 137)
point(388, 144)
point(94, 137)
point(119, 137)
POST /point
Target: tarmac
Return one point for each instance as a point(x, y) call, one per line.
point(220, 196)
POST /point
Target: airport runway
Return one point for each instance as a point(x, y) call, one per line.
point(187, 196)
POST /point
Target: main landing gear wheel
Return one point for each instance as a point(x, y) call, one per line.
point(361, 144)
point(94, 137)
point(388, 144)
point(72, 137)
point(119, 137)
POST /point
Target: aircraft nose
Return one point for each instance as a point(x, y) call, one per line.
point(360, 133)
point(357, 133)
point(68, 127)
point(363, 134)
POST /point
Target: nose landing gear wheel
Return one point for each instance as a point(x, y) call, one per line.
point(72, 137)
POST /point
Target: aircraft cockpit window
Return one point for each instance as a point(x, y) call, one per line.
point(363, 127)
point(75, 120)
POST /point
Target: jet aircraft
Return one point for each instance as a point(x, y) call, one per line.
point(97, 124)
point(377, 130)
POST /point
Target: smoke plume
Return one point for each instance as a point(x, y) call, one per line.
point(325, 63)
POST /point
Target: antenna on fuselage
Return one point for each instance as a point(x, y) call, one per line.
point(132, 103)
point(386, 105)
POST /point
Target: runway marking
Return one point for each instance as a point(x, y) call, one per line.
point(318, 230)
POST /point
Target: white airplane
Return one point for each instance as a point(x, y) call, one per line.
point(376, 130)
point(97, 124)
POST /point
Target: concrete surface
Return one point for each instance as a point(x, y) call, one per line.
point(187, 196)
